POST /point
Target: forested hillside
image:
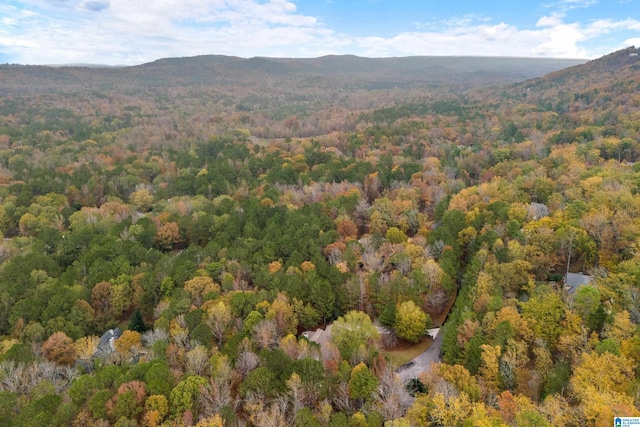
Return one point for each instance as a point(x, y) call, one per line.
point(185, 98)
point(214, 217)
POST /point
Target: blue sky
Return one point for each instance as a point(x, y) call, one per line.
point(128, 32)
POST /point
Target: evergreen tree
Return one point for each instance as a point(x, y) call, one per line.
point(136, 323)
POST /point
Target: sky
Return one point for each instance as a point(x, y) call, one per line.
point(130, 32)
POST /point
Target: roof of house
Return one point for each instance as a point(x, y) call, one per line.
point(573, 281)
point(105, 345)
point(319, 336)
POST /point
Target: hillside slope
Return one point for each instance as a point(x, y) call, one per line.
point(216, 70)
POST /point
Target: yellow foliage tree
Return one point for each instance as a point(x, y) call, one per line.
point(289, 344)
point(86, 347)
point(129, 342)
point(151, 419)
point(557, 410)
point(158, 403)
point(411, 322)
point(307, 266)
point(621, 328)
point(213, 421)
point(451, 411)
point(28, 224)
point(489, 368)
point(601, 373)
point(219, 319)
point(167, 236)
point(141, 199)
point(358, 420)
point(281, 311)
point(398, 422)
point(200, 286)
point(574, 337)
point(274, 267)
point(460, 378)
point(418, 412)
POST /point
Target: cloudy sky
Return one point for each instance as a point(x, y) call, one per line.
point(128, 32)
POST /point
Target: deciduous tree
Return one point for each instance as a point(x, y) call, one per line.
point(282, 313)
point(354, 333)
point(411, 322)
point(60, 349)
point(362, 383)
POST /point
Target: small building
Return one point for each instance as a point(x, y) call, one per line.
point(323, 336)
point(320, 337)
point(573, 282)
point(106, 344)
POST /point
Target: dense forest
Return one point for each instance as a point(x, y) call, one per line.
point(173, 234)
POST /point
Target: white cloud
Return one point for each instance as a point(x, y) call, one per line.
point(552, 37)
point(129, 32)
point(605, 26)
point(132, 32)
point(632, 42)
point(550, 21)
point(566, 5)
point(494, 40)
point(561, 41)
point(453, 22)
point(9, 21)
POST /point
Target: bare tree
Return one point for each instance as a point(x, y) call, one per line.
point(266, 334)
point(296, 394)
point(392, 398)
point(10, 376)
point(197, 360)
point(216, 394)
point(341, 399)
point(263, 415)
point(247, 362)
point(149, 338)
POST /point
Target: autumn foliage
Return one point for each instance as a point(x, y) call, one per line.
point(268, 245)
point(59, 348)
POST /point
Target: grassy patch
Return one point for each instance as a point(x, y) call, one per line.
point(404, 352)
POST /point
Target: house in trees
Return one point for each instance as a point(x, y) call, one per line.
point(323, 336)
point(106, 344)
point(573, 282)
point(319, 336)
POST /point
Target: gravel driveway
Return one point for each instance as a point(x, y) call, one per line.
point(422, 363)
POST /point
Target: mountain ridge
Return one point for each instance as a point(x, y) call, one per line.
point(206, 70)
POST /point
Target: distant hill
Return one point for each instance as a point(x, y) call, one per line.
point(330, 71)
point(271, 97)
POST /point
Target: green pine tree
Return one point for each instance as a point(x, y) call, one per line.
point(136, 323)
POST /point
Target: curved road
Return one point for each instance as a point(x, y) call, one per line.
point(422, 363)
